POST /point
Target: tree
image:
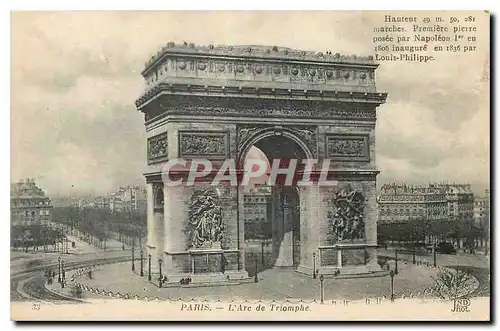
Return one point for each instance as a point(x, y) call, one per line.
point(452, 284)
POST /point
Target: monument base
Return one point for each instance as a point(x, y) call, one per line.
point(204, 265)
point(344, 260)
point(208, 278)
point(342, 272)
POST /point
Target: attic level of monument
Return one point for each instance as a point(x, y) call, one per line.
point(257, 72)
point(255, 52)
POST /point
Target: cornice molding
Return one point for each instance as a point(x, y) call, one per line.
point(375, 98)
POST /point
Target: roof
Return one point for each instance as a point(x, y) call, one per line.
point(26, 189)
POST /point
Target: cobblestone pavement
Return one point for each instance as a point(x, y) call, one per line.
point(272, 284)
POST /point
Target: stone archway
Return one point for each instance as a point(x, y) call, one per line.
point(215, 102)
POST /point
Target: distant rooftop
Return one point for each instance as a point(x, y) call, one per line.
point(402, 188)
point(26, 188)
point(269, 52)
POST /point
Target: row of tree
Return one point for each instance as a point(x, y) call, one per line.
point(101, 223)
point(36, 236)
point(421, 231)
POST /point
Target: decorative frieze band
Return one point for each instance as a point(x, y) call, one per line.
point(157, 149)
point(261, 71)
point(259, 112)
point(348, 147)
point(208, 144)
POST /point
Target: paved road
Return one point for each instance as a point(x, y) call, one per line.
point(478, 265)
point(446, 260)
point(276, 283)
point(27, 283)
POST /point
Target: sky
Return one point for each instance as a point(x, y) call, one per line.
point(75, 77)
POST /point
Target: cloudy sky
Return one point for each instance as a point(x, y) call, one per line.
point(75, 77)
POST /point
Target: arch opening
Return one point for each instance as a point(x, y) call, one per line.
point(272, 218)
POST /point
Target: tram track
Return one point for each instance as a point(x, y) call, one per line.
point(29, 285)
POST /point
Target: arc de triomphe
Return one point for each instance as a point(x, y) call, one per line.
point(215, 102)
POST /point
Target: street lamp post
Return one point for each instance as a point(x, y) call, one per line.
point(321, 279)
point(63, 274)
point(392, 274)
point(434, 253)
point(63, 271)
point(314, 265)
point(262, 251)
point(256, 278)
point(486, 246)
point(133, 259)
point(396, 266)
point(142, 257)
point(161, 276)
point(149, 267)
point(413, 253)
point(59, 271)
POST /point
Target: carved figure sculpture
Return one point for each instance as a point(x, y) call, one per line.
point(346, 214)
point(205, 227)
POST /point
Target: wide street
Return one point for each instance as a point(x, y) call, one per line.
point(27, 268)
point(273, 284)
point(448, 260)
point(27, 280)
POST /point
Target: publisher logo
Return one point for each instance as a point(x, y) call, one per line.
point(461, 305)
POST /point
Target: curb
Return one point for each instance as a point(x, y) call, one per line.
point(64, 295)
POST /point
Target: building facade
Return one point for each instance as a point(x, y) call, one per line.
point(128, 199)
point(435, 211)
point(400, 203)
point(29, 205)
point(257, 203)
point(411, 212)
point(257, 213)
point(460, 200)
point(482, 214)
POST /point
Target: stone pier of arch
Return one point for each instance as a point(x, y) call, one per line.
point(215, 103)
